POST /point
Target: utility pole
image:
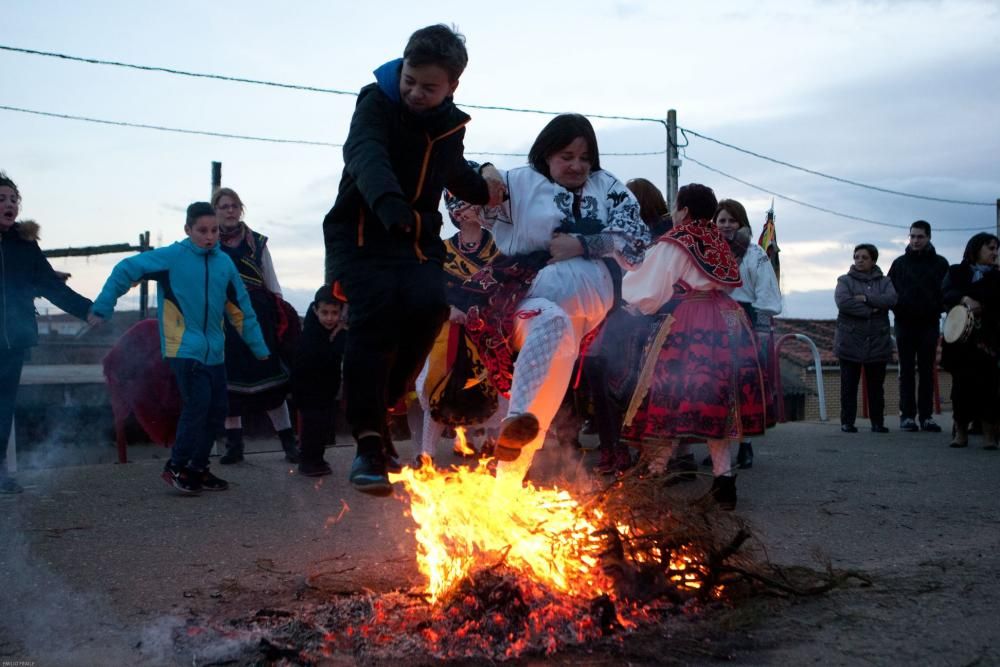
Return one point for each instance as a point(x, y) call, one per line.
point(673, 160)
point(216, 178)
point(998, 217)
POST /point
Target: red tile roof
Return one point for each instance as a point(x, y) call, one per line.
point(820, 331)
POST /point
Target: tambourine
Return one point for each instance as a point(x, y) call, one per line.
point(958, 324)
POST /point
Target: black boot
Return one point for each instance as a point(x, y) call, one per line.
point(289, 444)
point(744, 457)
point(724, 492)
point(234, 447)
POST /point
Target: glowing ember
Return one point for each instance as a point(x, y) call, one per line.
point(461, 443)
point(467, 520)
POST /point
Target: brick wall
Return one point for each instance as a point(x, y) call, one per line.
point(831, 387)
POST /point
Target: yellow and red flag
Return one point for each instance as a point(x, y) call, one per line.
point(769, 241)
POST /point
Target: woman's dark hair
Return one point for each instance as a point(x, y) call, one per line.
point(698, 199)
point(438, 45)
point(976, 244)
point(652, 206)
point(735, 209)
point(560, 133)
point(869, 248)
point(5, 181)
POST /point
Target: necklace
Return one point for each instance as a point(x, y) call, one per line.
point(468, 245)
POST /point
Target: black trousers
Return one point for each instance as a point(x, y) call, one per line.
point(850, 377)
point(917, 345)
point(395, 312)
point(11, 363)
point(607, 416)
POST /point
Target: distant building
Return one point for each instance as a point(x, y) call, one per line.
point(798, 374)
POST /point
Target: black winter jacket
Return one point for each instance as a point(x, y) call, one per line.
point(396, 165)
point(917, 278)
point(317, 364)
point(24, 275)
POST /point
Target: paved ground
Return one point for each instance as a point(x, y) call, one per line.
point(99, 562)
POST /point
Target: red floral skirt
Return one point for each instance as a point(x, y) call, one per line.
point(704, 381)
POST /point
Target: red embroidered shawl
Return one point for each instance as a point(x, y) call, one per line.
point(708, 250)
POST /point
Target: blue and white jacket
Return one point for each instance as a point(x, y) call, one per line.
point(197, 288)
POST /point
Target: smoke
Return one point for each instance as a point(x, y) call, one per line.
point(45, 621)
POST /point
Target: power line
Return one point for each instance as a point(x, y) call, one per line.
point(163, 128)
point(839, 179)
point(225, 135)
point(820, 208)
point(290, 86)
point(334, 91)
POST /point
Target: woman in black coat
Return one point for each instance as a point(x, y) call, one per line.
point(24, 275)
point(863, 340)
point(973, 362)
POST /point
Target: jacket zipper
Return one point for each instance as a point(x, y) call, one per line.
point(3, 276)
point(204, 322)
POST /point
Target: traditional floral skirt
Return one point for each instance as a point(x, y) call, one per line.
point(701, 378)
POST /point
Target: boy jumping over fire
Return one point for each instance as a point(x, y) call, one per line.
point(383, 241)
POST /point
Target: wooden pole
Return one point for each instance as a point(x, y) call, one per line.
point(673, 160)
point(216, 178)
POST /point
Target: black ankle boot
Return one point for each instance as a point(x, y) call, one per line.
point(289, 444)
point(744, 457)
point(724, 492)
point(234, 447)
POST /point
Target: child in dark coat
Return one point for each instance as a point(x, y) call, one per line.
point(316, 377)
point(383, 241)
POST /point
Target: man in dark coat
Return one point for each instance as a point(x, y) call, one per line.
point(917, 275)
point(24, 275)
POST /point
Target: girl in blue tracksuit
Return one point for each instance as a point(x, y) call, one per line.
point(198, 286)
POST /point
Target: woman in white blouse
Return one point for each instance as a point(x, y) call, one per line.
point(562, 202)
point(760, 297)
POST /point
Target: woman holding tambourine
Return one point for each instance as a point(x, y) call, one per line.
point(972, 353)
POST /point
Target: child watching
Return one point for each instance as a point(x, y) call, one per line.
point(26, 274)
point(198, 284)
point(316, 378)
point(383, 242)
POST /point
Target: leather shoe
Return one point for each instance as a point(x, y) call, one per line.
point(878, 428)
point(848, 428)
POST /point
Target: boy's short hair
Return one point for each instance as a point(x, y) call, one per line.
point(922, 225)
point(197, 210)
point(5, 181)
point(438, 45)
point(325, 294)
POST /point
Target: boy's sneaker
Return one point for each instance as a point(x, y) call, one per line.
point(930, 426)
point(9, 485)
point(208, 481)
point(368, 475)
point(908, 424)
point(180, 479)
point(314, 468)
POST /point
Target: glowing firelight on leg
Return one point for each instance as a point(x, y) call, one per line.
point(461, 446)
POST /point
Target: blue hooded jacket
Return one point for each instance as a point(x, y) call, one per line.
point(197, 287)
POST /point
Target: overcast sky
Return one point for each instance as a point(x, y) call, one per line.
point(901, 95)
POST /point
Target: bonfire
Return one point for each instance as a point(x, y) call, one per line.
point(514, 569)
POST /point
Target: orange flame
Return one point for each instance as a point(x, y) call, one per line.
point(461, 443)
point(466, 519)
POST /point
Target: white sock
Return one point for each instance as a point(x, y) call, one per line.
point(280, 418)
